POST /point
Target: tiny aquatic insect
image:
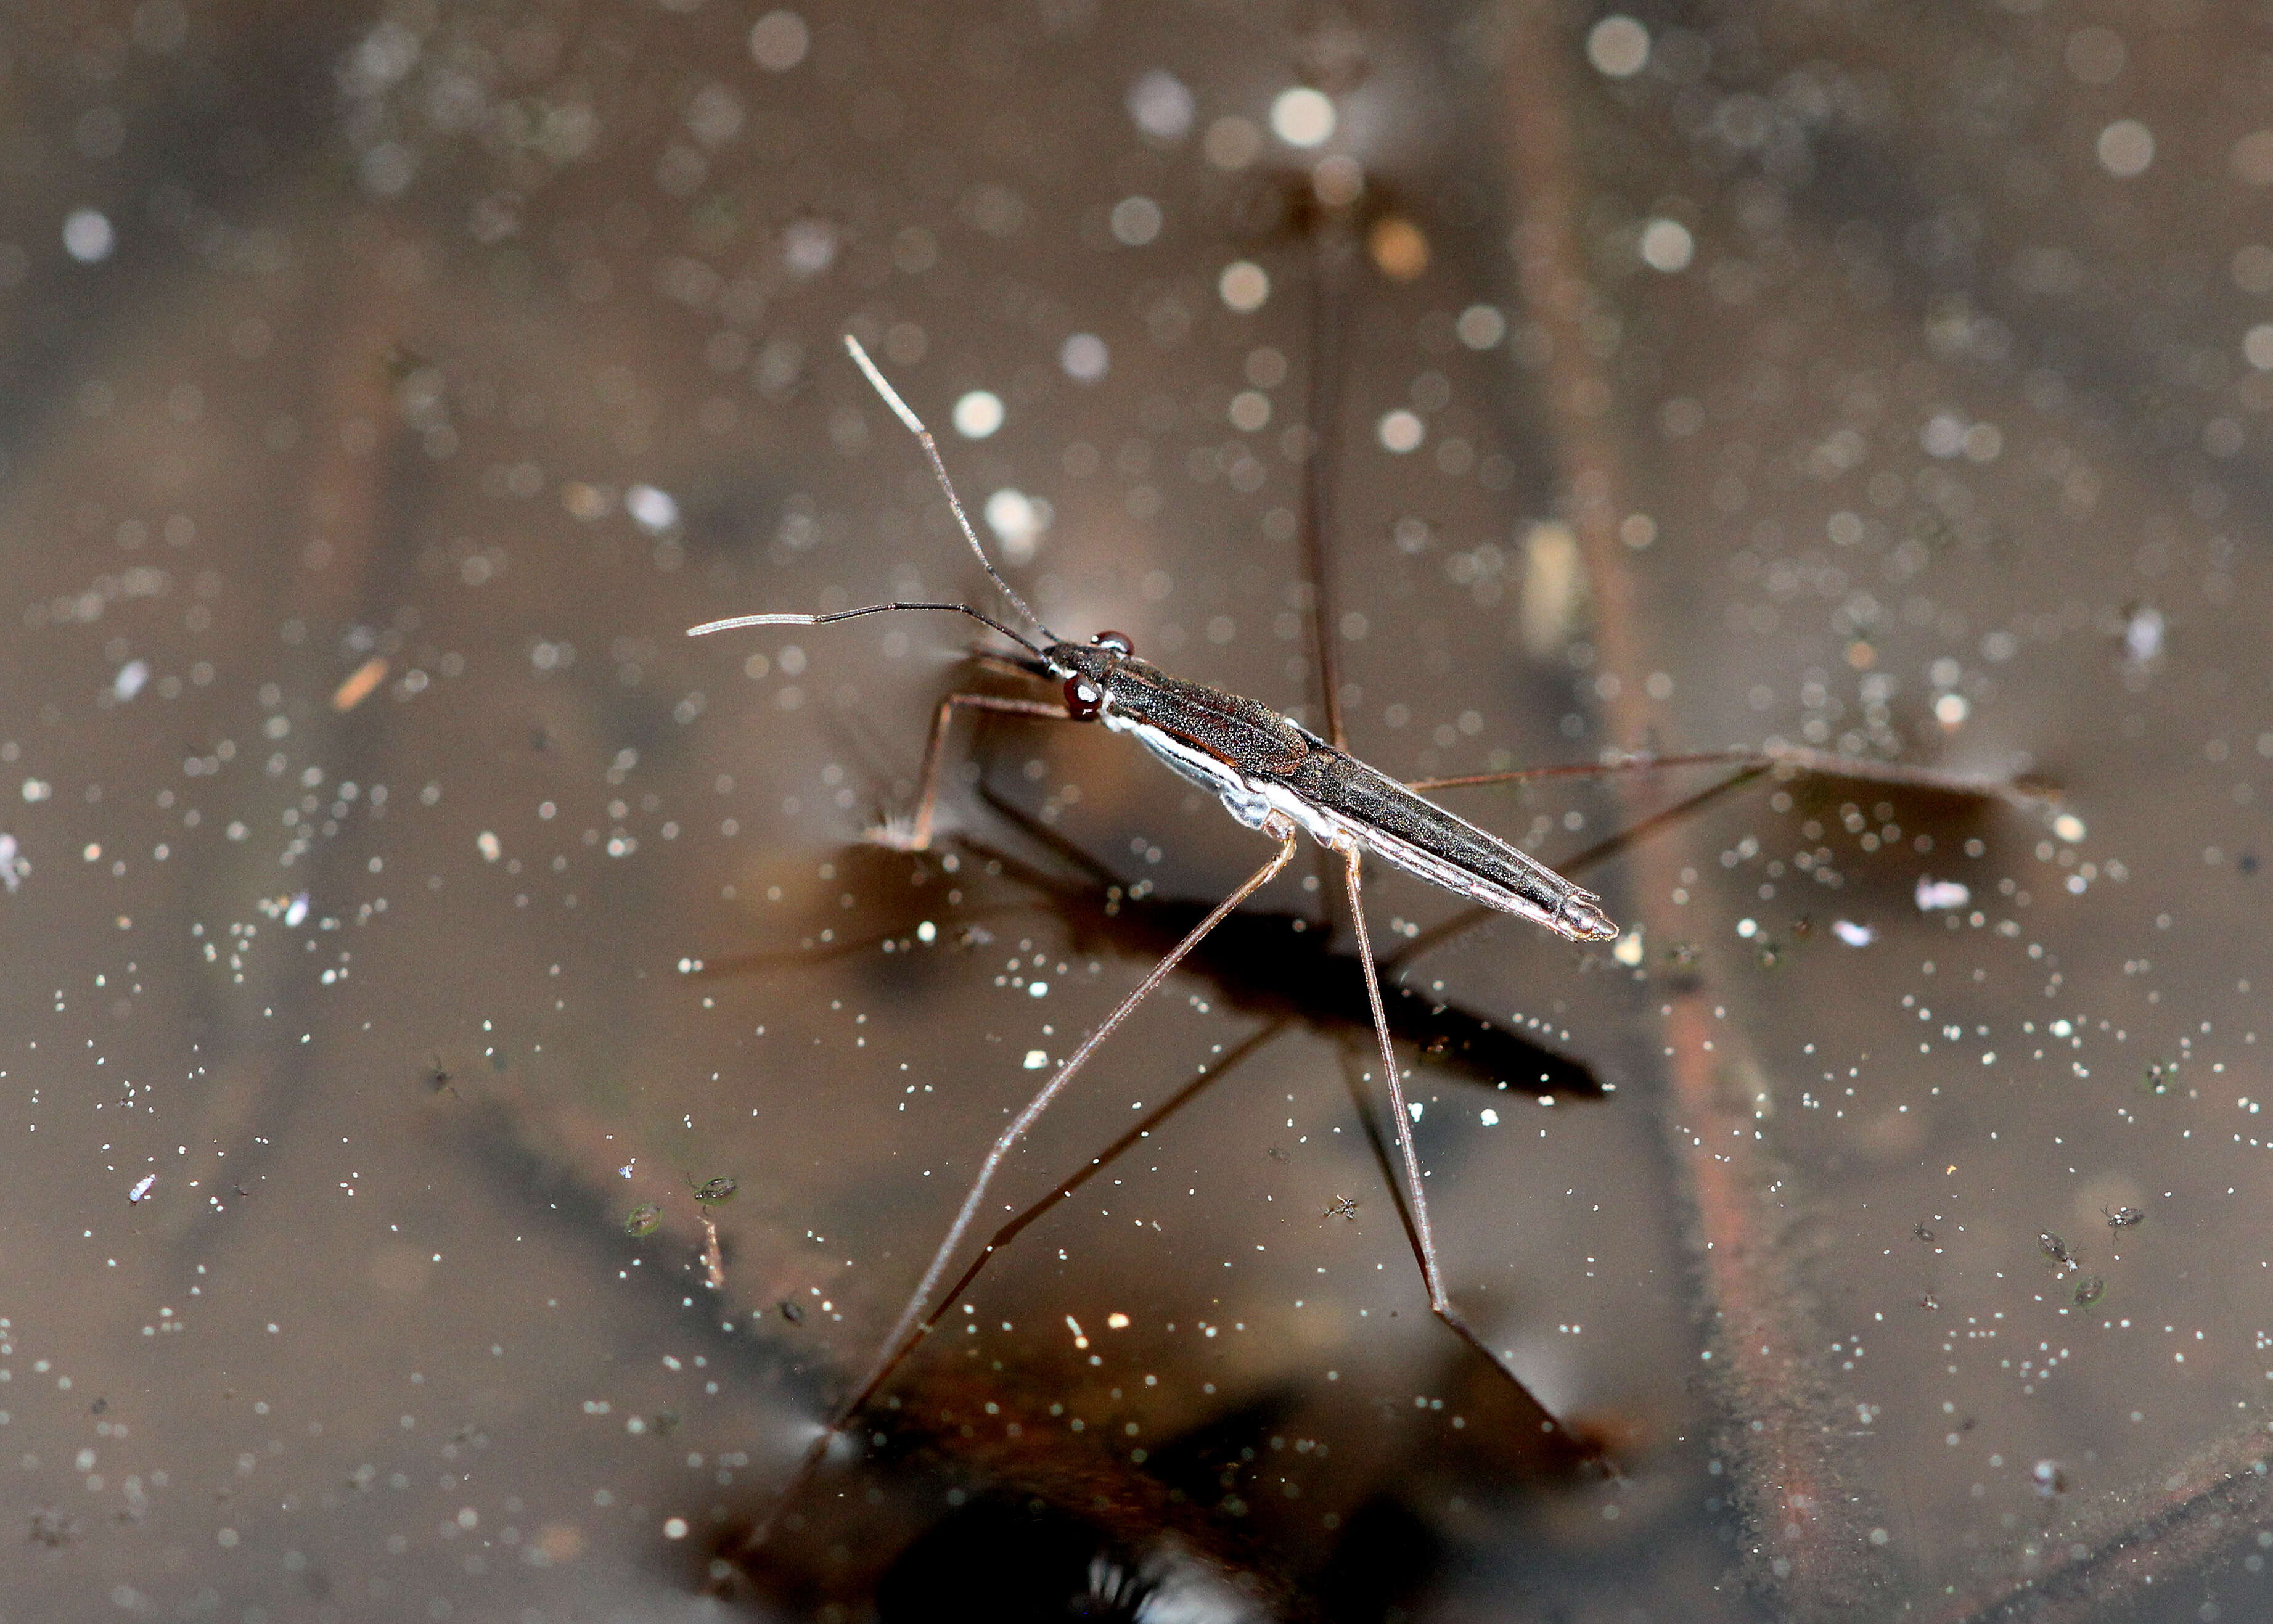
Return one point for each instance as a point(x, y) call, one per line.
point(1344, 1207)
point(2053, 1247)
point(1273, 775)
point(2123, 1217)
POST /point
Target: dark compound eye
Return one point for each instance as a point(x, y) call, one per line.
point(1117, 641)
point(1084, 699)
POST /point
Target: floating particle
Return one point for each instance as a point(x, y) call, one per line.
point(296, 912)
point(1243, 286)
point(130, 680)
point(2162, 1076)
point(2142, 633)
point(89, 236)
point(978, 414)
point(1933, 894)
point(778, 41)
point(1302, 116)
point(1667, 246)
point(792, 1312)
point(1161, 105)
point(2050, 1479)
point(1852, 933)
point(1084, 358)
point(652, 510)
point(359, 684)
point(1618, 46)
point(141, 1191)
point(645, 1219)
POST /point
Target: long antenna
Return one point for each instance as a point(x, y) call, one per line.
point(931, 449)
point(736, 622)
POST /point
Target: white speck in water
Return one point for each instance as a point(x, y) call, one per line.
point(2068, 827)
point(2127, 147)
point(926, 932)
point(1618, 46)
point(778, 41)
point(1084, 358)
point(1490, 1117)
point(1401, 431)
point(809, 247)
point(88, 236)
point(1038, 990)
point(978, 414)
point(13, 868)
point(1667, 246)
point(130, 679)
point(652, 510)
point(624, 1171)
point(1629, 950)
point(142, 1189)
point(490, 849)
point(298, 913)
point(2142, 633)
point(1243, 286)
point(1136, 221)
point(1852, 933)
point(1302, 116)
point(1036, 1059)
point(1933, 894)
point(1161, 106)
point(1415, 1107)
point(1018, 521)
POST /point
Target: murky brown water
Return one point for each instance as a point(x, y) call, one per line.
point(398, 903)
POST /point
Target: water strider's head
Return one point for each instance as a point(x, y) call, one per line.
point(1087, 669)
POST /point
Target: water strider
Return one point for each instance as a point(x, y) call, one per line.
point(1273, 775)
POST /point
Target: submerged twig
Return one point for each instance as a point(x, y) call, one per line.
point(1808, 1520)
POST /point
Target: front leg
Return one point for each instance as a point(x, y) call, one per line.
point(917, 836)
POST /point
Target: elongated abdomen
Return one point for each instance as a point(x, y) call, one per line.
point(1422, 838)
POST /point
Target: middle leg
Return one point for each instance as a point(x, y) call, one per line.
point(1418, 1228)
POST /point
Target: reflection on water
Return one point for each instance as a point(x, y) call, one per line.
point(478, 1100)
